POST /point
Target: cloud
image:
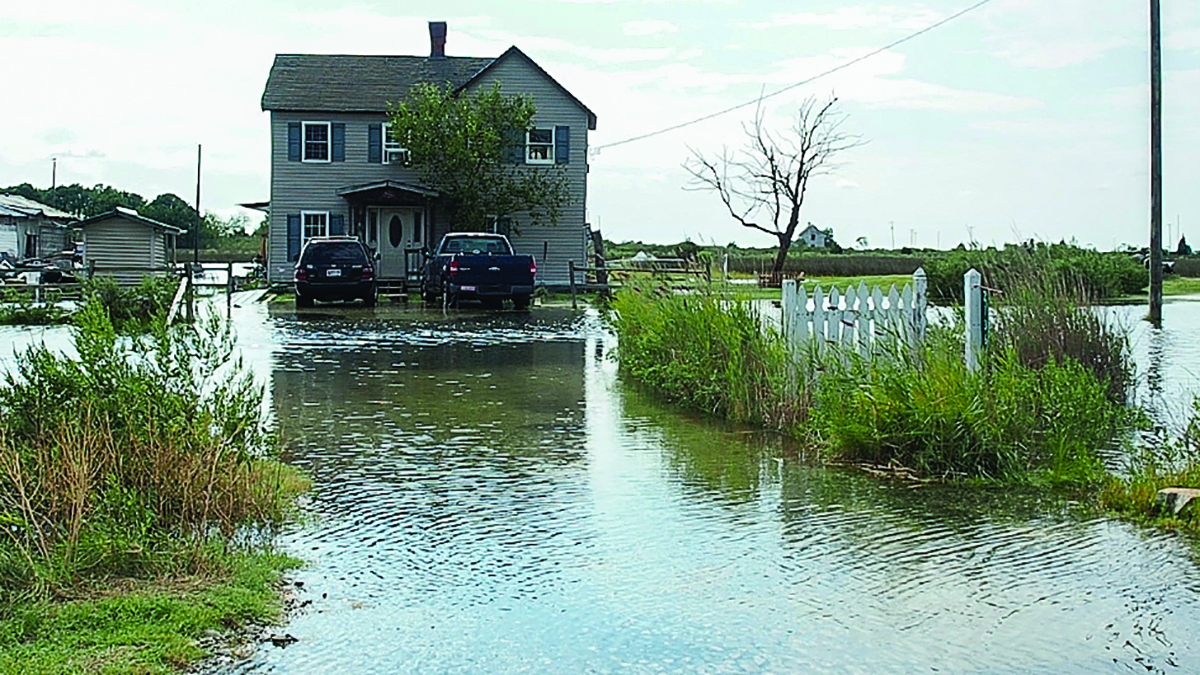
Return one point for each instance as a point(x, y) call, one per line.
point(855, 18)
point(648, 27)
point(1037, 34)
point(1040, 54)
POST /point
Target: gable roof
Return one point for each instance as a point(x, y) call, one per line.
point(130, 214)
point(513, 52)
point(21, 206)
point(346, 83)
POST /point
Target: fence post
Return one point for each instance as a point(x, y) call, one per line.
point(571, 267)
point(191, 292)
point(789, 313)
point(920, 319)
point(973, 289)
point(229, 289)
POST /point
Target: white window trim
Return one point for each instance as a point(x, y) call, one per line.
point(529, 145)
point(304, 237)
point(394, 146)
point(328, 142)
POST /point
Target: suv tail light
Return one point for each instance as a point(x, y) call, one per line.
point(532, 267)
point(368, 272)
point(300, 274)
point(454, 267)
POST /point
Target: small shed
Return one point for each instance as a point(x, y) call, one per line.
point(30, 229)
point(127, 246)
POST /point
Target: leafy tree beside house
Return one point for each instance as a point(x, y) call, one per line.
point(468, 147)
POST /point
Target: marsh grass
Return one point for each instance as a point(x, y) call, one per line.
point(1049, 399)
point(710, 353)
point(1174, 463)
point(133, 458)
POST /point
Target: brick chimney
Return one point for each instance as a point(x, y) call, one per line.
point(437, 39)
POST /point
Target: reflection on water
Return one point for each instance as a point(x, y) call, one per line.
point(490, 498)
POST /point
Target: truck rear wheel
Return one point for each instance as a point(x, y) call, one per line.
point(520, 302)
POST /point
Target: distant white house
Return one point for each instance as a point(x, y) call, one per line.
point(812, 237)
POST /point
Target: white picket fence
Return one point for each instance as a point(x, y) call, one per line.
point(855, 320)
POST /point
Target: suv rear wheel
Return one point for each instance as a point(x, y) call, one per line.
point(303, 301)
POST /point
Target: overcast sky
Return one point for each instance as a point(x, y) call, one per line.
point(1026, 118)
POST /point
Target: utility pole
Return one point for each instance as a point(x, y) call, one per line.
point(1156, 257)
point(196, 236)
point(892, 225)
point(53, 172)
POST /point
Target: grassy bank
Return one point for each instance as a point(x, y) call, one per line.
point(1050, 397)
point(142, 625)
point(134, 480)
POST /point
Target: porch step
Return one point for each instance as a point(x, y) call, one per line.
point(392, 287)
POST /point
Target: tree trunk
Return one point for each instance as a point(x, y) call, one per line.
point(785, 243)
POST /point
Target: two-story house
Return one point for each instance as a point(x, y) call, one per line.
point(336, 169)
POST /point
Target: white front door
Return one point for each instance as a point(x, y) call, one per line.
point(395, 234)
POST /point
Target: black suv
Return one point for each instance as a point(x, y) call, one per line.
point(335, 268)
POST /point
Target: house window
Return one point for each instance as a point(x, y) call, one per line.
point(31, 245)
point(393, 152)
point(316, 141)
point(316, 224)
point(539, 146)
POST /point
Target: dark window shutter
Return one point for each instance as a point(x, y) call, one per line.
point(562, 145)
point(514, 148)
point(337, 133)
point(293, 141)
point(375, 143)
point(293, 234)
point(337, 224)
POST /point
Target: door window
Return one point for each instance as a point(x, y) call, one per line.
point(395, 231)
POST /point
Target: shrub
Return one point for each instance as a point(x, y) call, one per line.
point(132, 457)
point(132, 309)
point(1095, 275)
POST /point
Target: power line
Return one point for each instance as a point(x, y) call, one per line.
point(790, 87)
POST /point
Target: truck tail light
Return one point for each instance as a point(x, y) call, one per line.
point(454, 267)
point(532, 267)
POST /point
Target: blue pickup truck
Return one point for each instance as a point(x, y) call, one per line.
point(477, 266)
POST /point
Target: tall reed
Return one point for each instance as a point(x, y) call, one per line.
point(710, 353)
point(132, 457)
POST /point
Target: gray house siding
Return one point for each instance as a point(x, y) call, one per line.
point(313, 186)
point(309, 186)
point(564, 241)
point(120, 243)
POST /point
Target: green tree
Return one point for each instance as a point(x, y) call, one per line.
point(172, 210)
point(466, 146)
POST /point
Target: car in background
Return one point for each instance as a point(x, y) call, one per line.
point(335, 268)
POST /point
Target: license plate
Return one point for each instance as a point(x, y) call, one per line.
point(333, 273)
point(466, 288)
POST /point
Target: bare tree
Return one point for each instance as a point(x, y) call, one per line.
point(769, 176)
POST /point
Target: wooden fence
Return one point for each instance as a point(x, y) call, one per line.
point(859, 319)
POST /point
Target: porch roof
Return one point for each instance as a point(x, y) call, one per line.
point(385, 192)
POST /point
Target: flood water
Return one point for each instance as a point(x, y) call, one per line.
point(491, 498)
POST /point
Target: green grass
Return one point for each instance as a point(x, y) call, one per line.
point(1050, 396)
point(146, 627)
